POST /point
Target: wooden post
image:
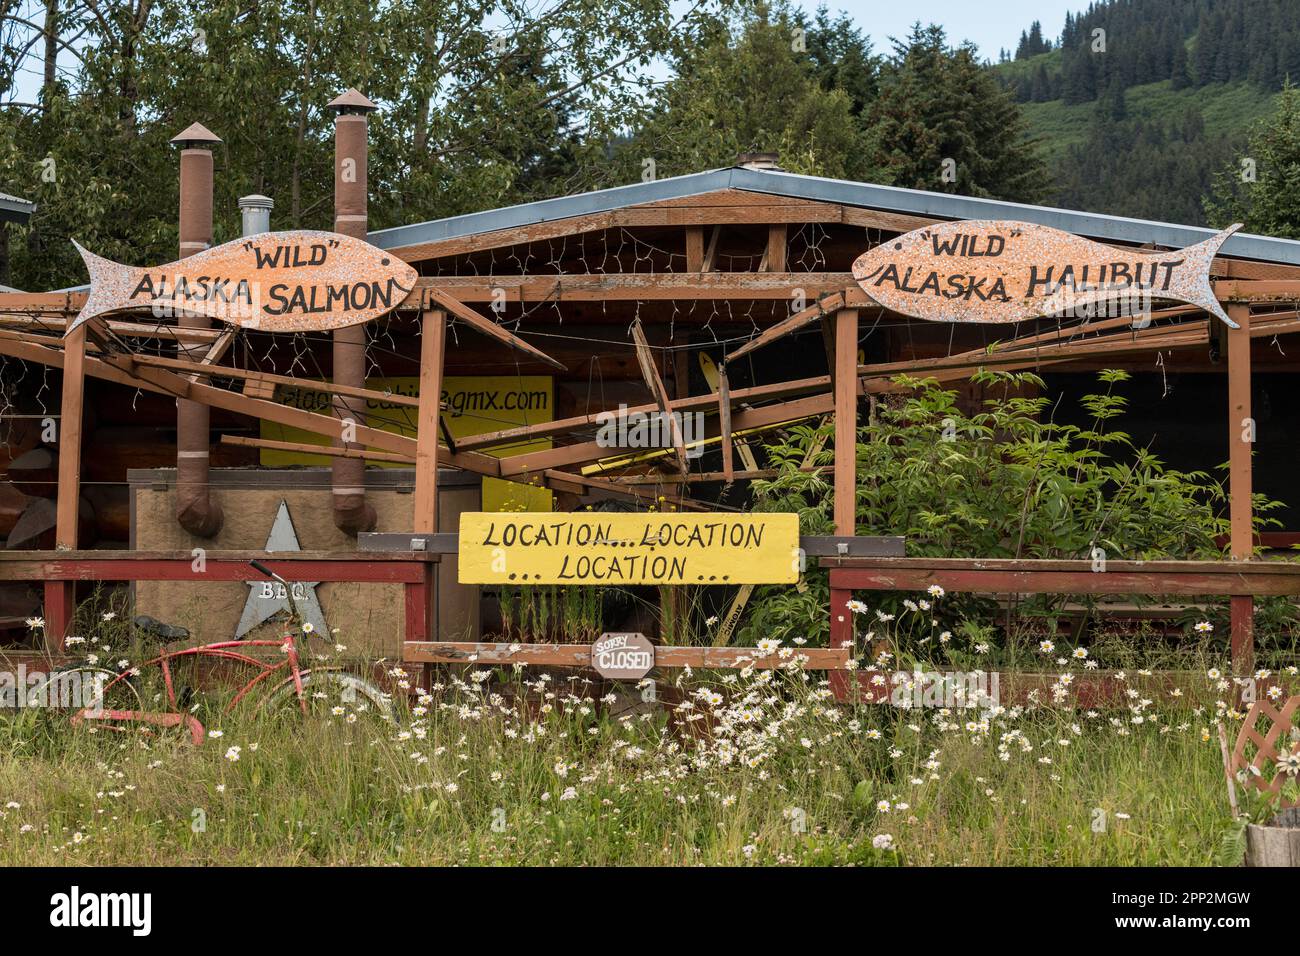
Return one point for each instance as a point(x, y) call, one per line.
point(776, 243)
point(432, 341)
point(681, 373)
point(846, 421)
point(1241, 436)
point(60, 596)
point(694, 248)
point(421, 612)
point(655, 383)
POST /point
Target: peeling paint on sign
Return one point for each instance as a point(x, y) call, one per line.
point(990, 270)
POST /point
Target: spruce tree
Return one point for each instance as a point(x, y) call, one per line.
point(1270, 203)
point(938, 104)
point(1179, 76)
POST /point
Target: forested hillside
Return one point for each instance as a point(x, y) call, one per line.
point(1138, 104)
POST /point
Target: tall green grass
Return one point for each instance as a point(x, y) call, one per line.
point(486, 768)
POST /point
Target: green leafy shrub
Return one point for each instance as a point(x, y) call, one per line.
point(1005, 482)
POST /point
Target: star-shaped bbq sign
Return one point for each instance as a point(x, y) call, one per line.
point(269, 598)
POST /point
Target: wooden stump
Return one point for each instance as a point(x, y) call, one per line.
point(1276, 843)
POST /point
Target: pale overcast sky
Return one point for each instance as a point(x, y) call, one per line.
point(991, 24)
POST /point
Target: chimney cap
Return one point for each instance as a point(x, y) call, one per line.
point(256, 201)
point(759, 160)
point(196, 134)
point(352, 102)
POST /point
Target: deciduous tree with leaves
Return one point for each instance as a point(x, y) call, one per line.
point(482, 104)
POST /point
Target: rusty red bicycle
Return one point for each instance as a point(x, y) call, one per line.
point(118, 697)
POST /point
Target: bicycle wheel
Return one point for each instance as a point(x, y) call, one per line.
point(89, 687)
point(329, 693)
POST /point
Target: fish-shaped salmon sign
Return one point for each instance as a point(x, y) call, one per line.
point(300, 281)
point(991, 270)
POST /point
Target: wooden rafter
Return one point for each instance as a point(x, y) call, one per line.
point(120, 328)
point(306, 448)
point(123, 370)
point(216, 351)
point(804, 317)
point(1282, 291)
point(654, 381)
point(711, 253)
point(563, 426)
point(628, 286)
point(706, 477)
point(489, 328)
point(724, 423)
point(590, 452)
point(270, 379)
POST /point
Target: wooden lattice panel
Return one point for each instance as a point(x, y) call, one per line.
point(1255, 748)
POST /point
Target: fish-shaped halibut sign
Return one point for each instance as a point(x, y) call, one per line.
point(991, 270)
point(300, 281)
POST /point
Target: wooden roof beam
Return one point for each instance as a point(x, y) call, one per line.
point(628, 287)
point(489, 328)
point(797, 321)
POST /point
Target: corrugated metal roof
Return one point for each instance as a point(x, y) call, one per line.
point(14, 209)
point(865, 195)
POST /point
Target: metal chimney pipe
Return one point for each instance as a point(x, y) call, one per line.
point(352, 513)
point(195, 510)
point(255, 211)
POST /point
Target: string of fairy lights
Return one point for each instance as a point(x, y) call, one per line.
point(297, 354)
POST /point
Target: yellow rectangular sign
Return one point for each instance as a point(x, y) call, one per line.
point(620, 548)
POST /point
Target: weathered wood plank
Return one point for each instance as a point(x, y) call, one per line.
point(579, 655)
point(1029, 576)
point(654, 381)
point(306, 448)
point(794, 323)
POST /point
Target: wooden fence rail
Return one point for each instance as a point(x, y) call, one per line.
point(56, 568)
point(1237, 579)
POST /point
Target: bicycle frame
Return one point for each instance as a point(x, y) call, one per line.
point(224, 650)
